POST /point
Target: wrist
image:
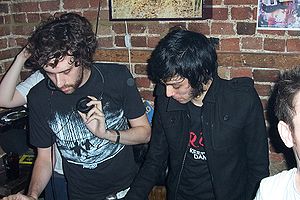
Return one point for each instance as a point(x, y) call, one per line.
point(118, 137)
point(113, 135)
point(32, 197)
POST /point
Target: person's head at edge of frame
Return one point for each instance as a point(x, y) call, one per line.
point(63, 47)
point(185, 62)
point(287, 109)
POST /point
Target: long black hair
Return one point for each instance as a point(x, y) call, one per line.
point(186, 54)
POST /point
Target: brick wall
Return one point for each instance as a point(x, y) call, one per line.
point(242, 50)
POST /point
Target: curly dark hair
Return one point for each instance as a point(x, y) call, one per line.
point(286, 88)
point(69, 34)
point(187, 54)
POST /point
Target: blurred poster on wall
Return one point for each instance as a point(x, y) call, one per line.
point(278, 15)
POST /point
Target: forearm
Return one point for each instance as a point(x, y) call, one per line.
point(8, 85)
point(136, 135)
point(139, 133)
point(41, 174)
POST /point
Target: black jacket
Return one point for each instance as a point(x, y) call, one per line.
point(235, 141)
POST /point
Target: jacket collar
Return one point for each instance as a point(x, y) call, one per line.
point(210, 96)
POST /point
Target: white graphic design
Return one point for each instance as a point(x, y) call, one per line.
point(198, 155)
point(80, 146)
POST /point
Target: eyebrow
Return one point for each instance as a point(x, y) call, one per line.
point(58, 72)
point(174, 83)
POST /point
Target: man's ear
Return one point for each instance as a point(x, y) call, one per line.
point(285, 134)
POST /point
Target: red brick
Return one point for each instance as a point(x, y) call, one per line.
point(7, 20)
point(104, 29)
point(176, 24)
point(95, 3)
point(158, 28)
point(105, 42)
point(140, 69)
point(252, 43)
point(49, 5)
point(136, 28)
point(6, 54)
point(241, 72)
point(2, 21)
point(33, 18)
point(216, 2)
point(271, 44)
point(246, 28)
point(240, 2)
point(22, 30)
point(153, 41)
point(241, 13)
point(294, 33)
point(293, 45)
point(91, 15)
point(138, 41)
point(3, 43)
point(25, 7)
point(265, 75)
point(262, 89)
point(73, 4)
point(119, 27)
point(222, 28)
point(220, 13)
point(12, 42)
point(142, 82)
point(103, 3)
point(19, 18)
point(199, 27)
point(146, 94)
point(21, 41)
point(104, 15)
point(45, 16)
point(271, 32)
point(140, 56)
point(230, 44)
point(4, 31)
point(119, 41)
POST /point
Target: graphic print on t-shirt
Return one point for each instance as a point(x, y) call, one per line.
point(196, 145)
point(79, 145)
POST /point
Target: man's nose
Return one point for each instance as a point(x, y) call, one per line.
point(59, 80)
point(169, 91)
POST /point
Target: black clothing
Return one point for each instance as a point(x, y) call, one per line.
point(94, 167)
point(235, 141)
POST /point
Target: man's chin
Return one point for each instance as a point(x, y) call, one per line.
point(67, 90)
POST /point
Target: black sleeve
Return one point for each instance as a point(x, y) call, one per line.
point(40, 133)
point(256, 146)
point(132, 103)
point(154, 163)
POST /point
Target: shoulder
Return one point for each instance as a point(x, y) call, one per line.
point(111, 67)
point(240, 83)
point(39, 89)
point(278, 181)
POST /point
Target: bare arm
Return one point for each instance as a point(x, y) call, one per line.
point(139, 132)
point(9, 96)
point(41, 173)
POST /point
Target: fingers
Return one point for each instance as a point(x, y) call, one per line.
point(95, 113)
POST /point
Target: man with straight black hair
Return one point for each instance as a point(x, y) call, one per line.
point(210, 131)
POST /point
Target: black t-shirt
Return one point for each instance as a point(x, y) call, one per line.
point(93, 167)
point(195, 181)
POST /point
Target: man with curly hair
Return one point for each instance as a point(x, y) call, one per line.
point(93, 119)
